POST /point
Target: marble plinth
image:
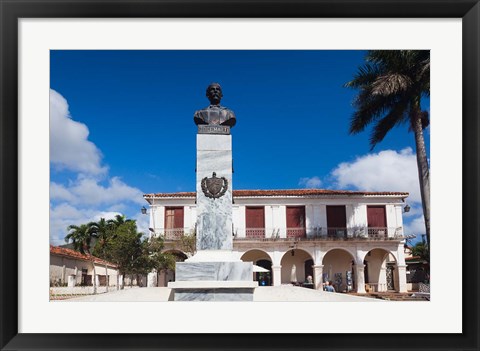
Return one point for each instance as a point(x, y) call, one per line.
point(213, 271)
point(237, 294)
point(213, 290)
point(214, 215)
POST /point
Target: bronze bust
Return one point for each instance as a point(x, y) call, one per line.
point(215, 114)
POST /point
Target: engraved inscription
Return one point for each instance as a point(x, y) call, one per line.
point(213, 129)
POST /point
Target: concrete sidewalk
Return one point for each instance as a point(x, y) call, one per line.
point(264, 294)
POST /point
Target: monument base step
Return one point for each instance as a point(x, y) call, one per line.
point(213, 290)
point(212, 284)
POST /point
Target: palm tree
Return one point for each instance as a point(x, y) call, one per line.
point(392, 84)
point(118, 220)
point(81, 237)
point(103, 232)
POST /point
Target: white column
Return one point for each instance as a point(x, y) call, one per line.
point(382, 280)
point(277, 275)
point(318, 277)
point(71, 281)
point(402, 278)
point(152, 279)
point(97, 280)
point(360, 277)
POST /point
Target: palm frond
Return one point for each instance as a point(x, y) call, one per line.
point(370, 108)
point(392, 83)
point(397, 115)
point(365, 75)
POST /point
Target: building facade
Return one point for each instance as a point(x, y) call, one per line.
point(354, 239)
point(72, 268)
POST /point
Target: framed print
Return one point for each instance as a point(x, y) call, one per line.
point(62, 60)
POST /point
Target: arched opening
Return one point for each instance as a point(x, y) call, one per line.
point(294, 263)
point(262, 273)
point(338, 268)
point(381, 274)
point(264, 278)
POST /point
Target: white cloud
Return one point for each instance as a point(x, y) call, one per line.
point(63, 215)
point(87, 198)
point(313, 182)
point(384, 171)
point(88, 191)
point(69, 145)
point(415, 226)
point(143, 222)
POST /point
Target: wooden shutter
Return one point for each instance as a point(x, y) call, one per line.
point(376, 216)
point(295, 221)
point(336, 220)
point(173, 217)
point(377, 221)
point(255, 221)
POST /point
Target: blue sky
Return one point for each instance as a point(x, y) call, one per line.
point(122, 125)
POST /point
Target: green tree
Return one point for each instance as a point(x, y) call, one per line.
point(119, 220)
point(157, 259)
point(421, 250)
point(188, 243)
point(391, 85)
point(104, 231)
point(81, 237)
point(125, 248)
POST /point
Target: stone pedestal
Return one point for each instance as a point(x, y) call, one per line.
point(214, 273)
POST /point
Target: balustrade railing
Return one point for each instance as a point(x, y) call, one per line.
point(171, 233)
point(320, 233)
point(255, 233)
point(312, 233)
point(296, 233)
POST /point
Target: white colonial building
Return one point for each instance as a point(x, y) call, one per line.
point(354, 239)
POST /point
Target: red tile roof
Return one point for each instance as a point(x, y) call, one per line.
point(412, 258)
point(286, 192)
point(63, 251)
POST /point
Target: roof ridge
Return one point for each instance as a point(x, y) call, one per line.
point(291, 192)
point(78, 255)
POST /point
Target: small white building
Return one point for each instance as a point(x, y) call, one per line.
point(354, 239)
point(72, 268)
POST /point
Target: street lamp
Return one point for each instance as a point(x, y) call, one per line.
point(406, 208)
point(144, 211)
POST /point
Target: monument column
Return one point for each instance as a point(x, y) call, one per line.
point(214, 273)
point(214, 189)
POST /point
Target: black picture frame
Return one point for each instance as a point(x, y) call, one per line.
point(11, 11)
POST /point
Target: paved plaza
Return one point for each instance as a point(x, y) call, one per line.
point(262, 294)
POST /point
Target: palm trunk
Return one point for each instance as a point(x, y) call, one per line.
point(423, 170)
